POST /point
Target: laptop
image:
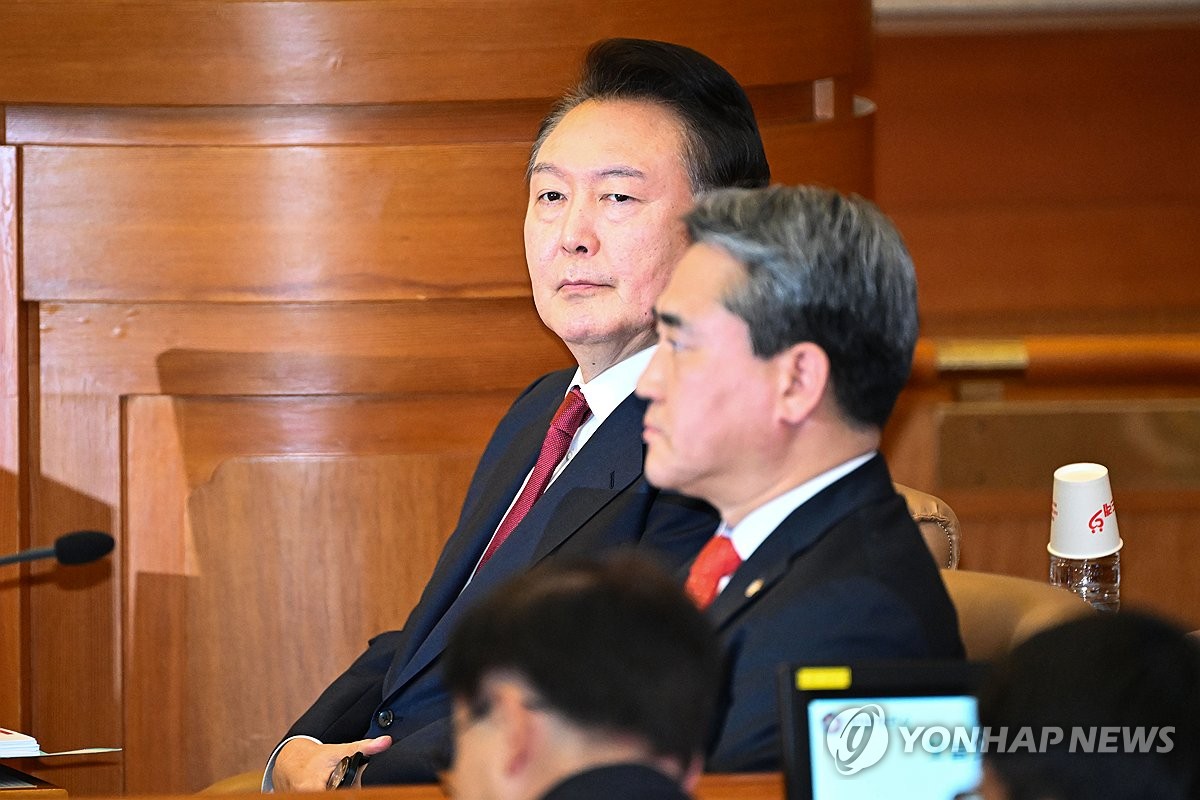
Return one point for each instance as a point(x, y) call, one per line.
point(872, 729)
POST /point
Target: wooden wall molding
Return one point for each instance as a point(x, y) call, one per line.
point(389, 51)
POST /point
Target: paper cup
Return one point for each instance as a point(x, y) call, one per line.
point(1083, 518)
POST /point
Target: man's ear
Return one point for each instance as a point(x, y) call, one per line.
point(803, 377)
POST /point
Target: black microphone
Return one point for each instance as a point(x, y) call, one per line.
point(79, 547)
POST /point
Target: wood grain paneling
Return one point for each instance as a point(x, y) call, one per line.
point(1052, 177)
point(12, 601)
point(278, 349)
point(1073, 261)
point(1048, 182)
point(390, 51)
point(465, 122)
point(315, 223)
point(75, 621)
point(1146, 445)
point(834, 153)
point(284, 532)
point(257, 224)
point(9, 281)
point(462, 122)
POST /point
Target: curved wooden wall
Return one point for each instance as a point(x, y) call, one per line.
point(262, 299)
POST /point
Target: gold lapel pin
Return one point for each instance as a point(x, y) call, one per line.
point(754, 588)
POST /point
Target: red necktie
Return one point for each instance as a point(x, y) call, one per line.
point(717, 560)
point(570, 415)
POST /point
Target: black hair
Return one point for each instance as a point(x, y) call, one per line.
point(613, 646)
point(1123, 671)
point(724, 147)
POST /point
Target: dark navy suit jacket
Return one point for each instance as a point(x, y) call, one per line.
point(618, 782)
point(845, 576)
point(600, 502)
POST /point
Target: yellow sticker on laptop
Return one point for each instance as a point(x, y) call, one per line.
point(810, 679)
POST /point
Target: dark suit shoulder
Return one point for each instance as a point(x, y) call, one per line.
point(627, 781)
point(847, 576)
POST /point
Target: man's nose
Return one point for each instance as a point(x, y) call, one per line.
point(579, 230)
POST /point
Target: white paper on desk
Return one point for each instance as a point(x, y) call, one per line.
point(83, 751)
point(14, 744)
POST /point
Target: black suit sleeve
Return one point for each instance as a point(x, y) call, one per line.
point(343, 711)
point(418, 758)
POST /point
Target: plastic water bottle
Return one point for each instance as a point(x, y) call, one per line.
point(1085, 542)
point(1097, 580)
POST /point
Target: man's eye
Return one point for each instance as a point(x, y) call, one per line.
point(619, 198)
point(550, 196)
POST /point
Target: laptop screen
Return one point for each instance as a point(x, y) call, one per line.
point(880, 729)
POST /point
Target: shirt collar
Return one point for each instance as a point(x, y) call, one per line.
point(609, 389)
point(748, 534)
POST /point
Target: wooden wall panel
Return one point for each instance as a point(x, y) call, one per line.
point(1045, 180)
point(271, 349)
point(75, 621)
point(219, 224)
point(9, 289)
point(12, 601)
point(286, 533)
point(834, 153)
point(390, 51)
point(463, 122)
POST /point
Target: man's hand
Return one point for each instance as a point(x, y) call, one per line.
point(304, 766)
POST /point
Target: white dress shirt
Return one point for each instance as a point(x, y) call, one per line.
point(756, 526)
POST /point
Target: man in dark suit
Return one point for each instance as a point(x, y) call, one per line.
point(786, 334)
point(595, 680)
point(614, 167)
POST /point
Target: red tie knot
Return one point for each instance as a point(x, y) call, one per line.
point(572, 412)
point(718, 559)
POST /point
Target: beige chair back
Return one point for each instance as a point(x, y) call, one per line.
point(997, 612)
point(938, 524)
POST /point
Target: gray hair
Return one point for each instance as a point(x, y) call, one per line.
point(822, 268)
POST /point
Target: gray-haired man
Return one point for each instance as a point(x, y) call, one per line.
point(786, 333)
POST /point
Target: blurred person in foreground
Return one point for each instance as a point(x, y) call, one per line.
point(591, 681)
point(1115, 698)
point(786, 334)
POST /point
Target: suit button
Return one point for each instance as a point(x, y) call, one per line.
point(384, 718)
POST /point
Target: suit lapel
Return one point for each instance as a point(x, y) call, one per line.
point(796, 534)
point(505, 471)
point(609, 462)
